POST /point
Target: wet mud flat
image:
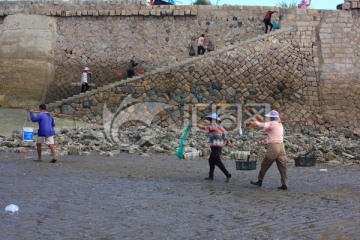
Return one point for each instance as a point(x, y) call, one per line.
point(128, 196)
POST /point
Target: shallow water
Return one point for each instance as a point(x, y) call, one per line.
point(161, 197)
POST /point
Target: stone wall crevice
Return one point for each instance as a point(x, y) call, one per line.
point(320, 62)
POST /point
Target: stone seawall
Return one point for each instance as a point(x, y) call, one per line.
point(106, 36)
point(107, 44)
point(232, 76)
point(26, 59)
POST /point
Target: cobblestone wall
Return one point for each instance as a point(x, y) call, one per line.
point(65, 7)
point(234, 76)
point(351, 4)
point(152, 40)
point(340, 64)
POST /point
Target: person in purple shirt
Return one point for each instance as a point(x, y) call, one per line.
point(46, 131)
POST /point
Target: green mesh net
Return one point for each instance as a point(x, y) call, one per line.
point(180, 151)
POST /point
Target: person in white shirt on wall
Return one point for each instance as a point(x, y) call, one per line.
point(85, 77)
point(201, 43)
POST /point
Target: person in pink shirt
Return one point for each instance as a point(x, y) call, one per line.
point(276, 148)
point(304, 4)
point(217, 139)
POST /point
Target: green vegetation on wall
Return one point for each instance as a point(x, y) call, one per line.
point(286, 4)
point(202, 2)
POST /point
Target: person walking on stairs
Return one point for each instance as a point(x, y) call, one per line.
point(267, 20)
point(201, 44)
point(85, 79)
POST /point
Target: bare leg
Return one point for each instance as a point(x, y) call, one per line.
point(39, 150)
point(52, 148)
point(53, 153)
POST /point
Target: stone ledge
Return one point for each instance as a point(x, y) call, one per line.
point(66, 10)
point(77, 84)
point(117, 12)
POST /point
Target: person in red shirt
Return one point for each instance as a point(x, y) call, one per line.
point(217, 139)
point(267, 20)
point(275, 148)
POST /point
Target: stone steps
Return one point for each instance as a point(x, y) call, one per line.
point(167, 68)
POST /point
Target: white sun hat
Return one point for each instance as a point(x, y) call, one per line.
point(86, 69)
point(272, 114)
point(213, 116)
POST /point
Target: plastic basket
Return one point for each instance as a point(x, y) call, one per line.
point(245, 164)
point(305, 161)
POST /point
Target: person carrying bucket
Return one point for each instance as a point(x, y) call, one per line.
point(217, 139)
point(46, 131)
point(267, 20)
point(275, 148)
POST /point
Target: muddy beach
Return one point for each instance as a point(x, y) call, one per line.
point(129, 196)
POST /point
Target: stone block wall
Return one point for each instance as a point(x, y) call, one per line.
point(339, 46)
point(98, 36)
point(107, 44)
point(234, 76)
point(64, 7)
point(351, 4)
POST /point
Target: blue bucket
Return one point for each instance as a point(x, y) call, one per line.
point(28, 134)
point(276, 25)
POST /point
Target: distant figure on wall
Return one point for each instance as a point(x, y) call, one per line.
point(201, 44)
point(304, 4)
point(130, 70)
point(267, 20)
point(339, 7)
point(85, 78)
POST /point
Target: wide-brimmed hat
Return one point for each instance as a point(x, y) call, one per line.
point(273, 114)
point(213, 116)
point(86, 69)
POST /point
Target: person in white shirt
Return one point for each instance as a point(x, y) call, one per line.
point(200, 45)
point(84, 79)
